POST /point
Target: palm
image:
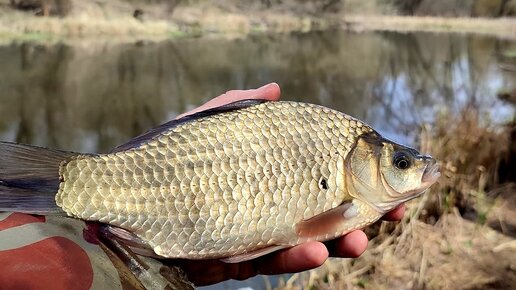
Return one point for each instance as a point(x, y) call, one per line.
point(296, 259)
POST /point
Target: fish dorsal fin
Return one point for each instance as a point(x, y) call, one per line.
point(154, 132)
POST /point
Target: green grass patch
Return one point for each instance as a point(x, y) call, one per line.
point(28, 36)
point(509, 53)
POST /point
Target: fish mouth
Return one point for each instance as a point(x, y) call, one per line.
point(431, 174)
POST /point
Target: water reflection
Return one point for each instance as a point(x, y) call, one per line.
point(91, 98)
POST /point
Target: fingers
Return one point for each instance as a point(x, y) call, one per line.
point(296, 259)
point(209, 272)
point(270, 92)
point(395, 214)
point(351, 245)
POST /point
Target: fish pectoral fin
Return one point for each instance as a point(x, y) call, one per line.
point(338, 221)
point(131, 240)
point(253, 254)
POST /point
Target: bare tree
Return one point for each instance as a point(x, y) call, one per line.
point(407, 7)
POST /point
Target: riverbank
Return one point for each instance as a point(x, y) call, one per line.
point(500, 27)
point(91, 22)
point(120, 23)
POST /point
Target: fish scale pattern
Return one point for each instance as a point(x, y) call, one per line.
point(219, 185)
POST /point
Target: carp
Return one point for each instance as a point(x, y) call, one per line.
point(234, 182)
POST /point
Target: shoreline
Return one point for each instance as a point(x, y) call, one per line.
point(192, 22)
point(499, 27)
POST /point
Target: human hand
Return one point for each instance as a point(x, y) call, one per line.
point(296, 259)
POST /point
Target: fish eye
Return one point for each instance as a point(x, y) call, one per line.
point(401, 161)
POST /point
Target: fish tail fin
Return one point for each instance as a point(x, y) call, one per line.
point(29, 178)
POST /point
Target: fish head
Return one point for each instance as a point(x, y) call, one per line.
point(385, 174)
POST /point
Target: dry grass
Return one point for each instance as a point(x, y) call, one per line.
point(18, 25)
point(452, 254)
point(114, 18)
point(215, 20)
point(471, 154)
point(435, 247)
point(501, 27)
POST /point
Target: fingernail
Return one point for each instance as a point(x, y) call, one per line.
point(266, 86)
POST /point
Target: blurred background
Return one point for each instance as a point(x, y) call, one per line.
point(436, 75)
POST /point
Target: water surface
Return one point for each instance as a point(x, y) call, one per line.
point(93, 96)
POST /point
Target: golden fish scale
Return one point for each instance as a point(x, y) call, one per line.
point(220, 185)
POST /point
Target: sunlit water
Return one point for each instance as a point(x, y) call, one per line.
point(92, 96)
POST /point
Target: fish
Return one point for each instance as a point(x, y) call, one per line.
point(234, 182)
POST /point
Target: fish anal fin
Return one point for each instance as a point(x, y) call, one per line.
point(338, 221)
point(154, 132)
point(253, 254)
point(137, 272)
point(131, 240)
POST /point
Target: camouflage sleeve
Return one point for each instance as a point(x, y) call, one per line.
point(61, 253)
